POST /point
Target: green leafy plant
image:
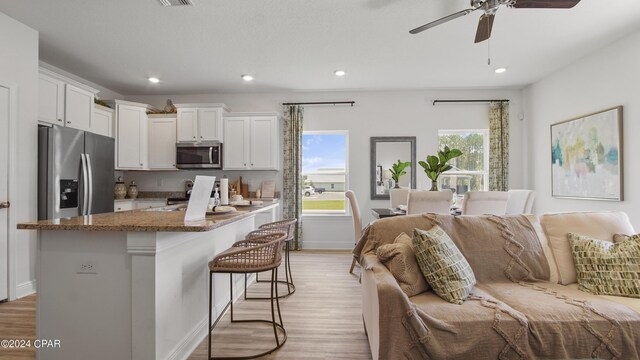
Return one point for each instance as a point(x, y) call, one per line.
point(397, 170)
point(436, 165)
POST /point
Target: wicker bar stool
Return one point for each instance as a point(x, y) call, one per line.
point(288, 226)
point(261, 253)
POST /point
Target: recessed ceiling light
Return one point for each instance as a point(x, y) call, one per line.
point(500, 70)
point(339, 72)
point(154, 80)
point(247, 77)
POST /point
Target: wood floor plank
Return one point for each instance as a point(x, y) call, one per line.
point(18, 321)
point(323, 318)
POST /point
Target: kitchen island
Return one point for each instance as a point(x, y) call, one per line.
point(133, 285)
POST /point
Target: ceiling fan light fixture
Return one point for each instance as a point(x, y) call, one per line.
point(500, 70)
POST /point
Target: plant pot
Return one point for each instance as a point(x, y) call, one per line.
point(434, 185)
point(397, 186)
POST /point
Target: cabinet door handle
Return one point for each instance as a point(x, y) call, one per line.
point(194, 137)
point(5, 205)
point(60, 120)
point(68, 122)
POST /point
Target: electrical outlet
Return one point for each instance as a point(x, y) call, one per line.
point(87, 267)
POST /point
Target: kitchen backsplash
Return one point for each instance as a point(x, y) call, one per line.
point(173, 181)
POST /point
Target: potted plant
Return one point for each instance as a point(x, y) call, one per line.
point(397, 170)
point(436, 165)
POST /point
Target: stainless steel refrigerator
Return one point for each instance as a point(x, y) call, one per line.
point(75, 173)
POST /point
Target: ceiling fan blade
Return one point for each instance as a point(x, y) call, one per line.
point(442, 20)
point(484, 27)
point(545, 4)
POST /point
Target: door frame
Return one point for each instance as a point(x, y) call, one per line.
point(12, 216)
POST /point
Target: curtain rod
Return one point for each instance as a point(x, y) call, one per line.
point(469, 101)
point(322, 103)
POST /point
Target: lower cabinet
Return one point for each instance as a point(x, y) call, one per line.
point(137, 204)
point(123, 205)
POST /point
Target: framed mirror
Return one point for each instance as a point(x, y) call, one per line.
point(385, 151)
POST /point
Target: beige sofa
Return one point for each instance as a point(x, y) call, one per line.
point(538, 312)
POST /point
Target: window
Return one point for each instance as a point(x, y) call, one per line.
point(324, 172)
point(471, 170)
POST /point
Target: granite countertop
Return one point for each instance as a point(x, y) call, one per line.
point(166, 219)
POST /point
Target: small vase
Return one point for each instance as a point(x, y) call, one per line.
point(397, 185)
point(120, 190)
point(133, 190)
point(434, 185)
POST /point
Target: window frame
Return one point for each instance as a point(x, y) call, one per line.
point(485, 144)
point(347, 209)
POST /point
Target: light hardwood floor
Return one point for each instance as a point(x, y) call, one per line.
point(323, 318)
point(18, 321)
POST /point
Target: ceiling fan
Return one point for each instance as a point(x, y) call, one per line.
point(490, 7)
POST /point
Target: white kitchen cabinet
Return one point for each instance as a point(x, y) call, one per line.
point(141, 204)
point(162, 142)
point(102, 121)
point(251, 142)
point(131, 134)
point(200, 122)
point(64, 101)
point(50, 100)
point(123, 205)
point(78, 108)
point(187, 125)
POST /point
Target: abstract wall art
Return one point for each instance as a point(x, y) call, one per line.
point(586, 157)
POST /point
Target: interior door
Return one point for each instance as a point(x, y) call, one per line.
point(4, 193)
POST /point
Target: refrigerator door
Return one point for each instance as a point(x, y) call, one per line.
point(99, 153)
point(59, 169)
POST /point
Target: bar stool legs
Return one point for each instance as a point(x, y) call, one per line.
point(291, 287)
point(277, 325)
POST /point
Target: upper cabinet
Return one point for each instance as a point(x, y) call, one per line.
point(131, 135)
point(102, 120)
point(251, 141)
point(200, 122)
point(65, 102)
point(51, 100)
point(162, 142)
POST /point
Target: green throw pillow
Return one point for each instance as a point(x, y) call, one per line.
point(605, 268)
point(443, 265)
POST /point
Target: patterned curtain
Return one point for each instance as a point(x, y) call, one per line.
point(292, 168)
point(499, 146)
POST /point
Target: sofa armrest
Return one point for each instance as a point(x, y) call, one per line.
point(382, 300)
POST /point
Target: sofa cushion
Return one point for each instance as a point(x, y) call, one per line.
point(605, 268)
point(599, 225)
point(400, 259)
point(443, 265)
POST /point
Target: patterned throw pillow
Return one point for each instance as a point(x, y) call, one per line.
point(443, 265)
point(400, 259)
point(605, 268)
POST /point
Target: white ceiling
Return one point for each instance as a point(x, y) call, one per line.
point(295, 45)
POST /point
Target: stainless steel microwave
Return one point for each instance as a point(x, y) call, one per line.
point(206, 155)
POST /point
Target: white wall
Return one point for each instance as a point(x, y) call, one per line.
point(604, 79)
point(376, 113)
point(19, 65)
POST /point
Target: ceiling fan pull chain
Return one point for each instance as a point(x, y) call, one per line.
point(489, 52)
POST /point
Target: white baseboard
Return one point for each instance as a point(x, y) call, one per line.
point(190, 342)
point(327, 245)
point(26, 288)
